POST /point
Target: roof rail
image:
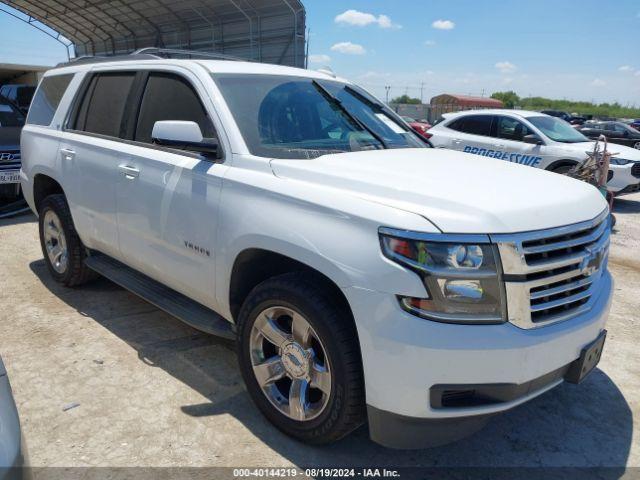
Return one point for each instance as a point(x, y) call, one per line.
point(175, 52)
point(151, 53)
point(107, 58)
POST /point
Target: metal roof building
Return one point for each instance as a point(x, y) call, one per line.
point(15, 73)
point(465, 101)
point(271, 31)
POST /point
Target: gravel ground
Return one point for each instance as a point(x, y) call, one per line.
point(146, 390)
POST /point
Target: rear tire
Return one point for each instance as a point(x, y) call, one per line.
point(332, 404)
point(62, 248)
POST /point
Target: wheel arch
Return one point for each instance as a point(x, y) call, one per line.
point(561, 163)
point(43, 186)
point(253, 266)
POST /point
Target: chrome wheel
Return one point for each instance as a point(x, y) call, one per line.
point(636, 145)
point(55, 241)
point(290, 363)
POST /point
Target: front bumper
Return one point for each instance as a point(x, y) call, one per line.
point(405, 358)
point(623, 180)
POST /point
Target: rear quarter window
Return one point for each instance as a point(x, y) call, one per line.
point(47, 98)
point(473, 124)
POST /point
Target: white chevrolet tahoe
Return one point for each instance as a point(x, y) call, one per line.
point(533, 139)
point(363, 274)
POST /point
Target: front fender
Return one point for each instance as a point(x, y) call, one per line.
point(339, 240)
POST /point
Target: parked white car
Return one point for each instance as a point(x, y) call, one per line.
point(363, 274)
point(533, 139)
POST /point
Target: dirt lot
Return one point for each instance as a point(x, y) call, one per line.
point(154, 392)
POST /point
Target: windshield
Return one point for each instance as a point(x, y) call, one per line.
point(558, 130)
point(10, 116)
point(297, 117)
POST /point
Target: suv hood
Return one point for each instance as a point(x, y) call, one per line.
point(457, 192)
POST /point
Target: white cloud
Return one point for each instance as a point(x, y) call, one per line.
point(637, 74)
point(348, 48)
point(507, 81)
point(598, 83)
point(320, 58)
point(430, 43)
point(506, 67)
point(626, 68)
point(362, 19)
point(443, 25)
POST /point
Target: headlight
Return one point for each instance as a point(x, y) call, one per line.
point(461, 274)
point(619, 161)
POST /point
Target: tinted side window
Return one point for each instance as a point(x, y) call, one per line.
point(104, 103)
point(511, 129)
point(170, 97)
point(456, 125)
point(47, 98)
point(475, 125)
point(10, 116)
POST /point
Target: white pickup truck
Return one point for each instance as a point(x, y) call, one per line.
point(363, 274)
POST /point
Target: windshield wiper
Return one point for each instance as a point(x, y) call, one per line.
point(335, 101)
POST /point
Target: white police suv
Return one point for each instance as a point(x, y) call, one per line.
point(533, 139)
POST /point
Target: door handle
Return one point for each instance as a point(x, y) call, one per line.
point(129, 172)
point(67, 154)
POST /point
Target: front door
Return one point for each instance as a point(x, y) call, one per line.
point(167, 199)
point(510, 145)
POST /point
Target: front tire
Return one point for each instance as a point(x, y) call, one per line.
point(300, 359)
point(563, 169)
point(62, 248)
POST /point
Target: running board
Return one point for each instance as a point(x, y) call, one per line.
point(190, 312)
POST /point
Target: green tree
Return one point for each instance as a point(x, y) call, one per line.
point(510, 99)
point(406, 99)
point(604, 110)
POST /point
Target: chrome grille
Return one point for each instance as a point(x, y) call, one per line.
point(552, 275)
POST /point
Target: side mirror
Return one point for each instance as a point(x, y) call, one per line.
point(533, 139)
point(183, 134)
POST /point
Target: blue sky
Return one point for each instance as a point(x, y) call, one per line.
point(574, 49)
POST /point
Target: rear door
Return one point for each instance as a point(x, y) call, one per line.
point(91, 150)
point(621, 135)
point(472, 134)
point(167, 199)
